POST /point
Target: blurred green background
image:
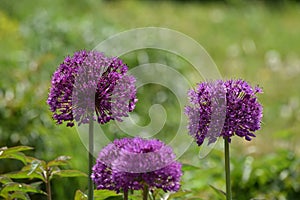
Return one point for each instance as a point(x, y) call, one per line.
point(257, 41)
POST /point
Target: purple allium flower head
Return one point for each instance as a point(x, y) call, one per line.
point(223, 108)
point(89, 82)
point(131, 163)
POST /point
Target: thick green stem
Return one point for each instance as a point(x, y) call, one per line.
point(91, 157)
point(227, 170)
point(48, 190)
point(125, 194)
point(145, 192)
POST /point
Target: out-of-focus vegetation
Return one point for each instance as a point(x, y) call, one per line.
point(256, 41)
point(36, 172)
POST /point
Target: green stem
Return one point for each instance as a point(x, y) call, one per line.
point(48, 186)
point(145, 192)
point(125, 194)
point(91, 157)
point(227, 170)
point(48, 190)
point(153, 196)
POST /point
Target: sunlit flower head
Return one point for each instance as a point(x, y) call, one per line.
point(90, 82)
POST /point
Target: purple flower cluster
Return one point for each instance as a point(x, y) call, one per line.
point(89, 82)
point(131, 163)
point(223, 108)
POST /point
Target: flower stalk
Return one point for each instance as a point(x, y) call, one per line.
point(125, 194)
point(227, 169)
point(224, 109)
point(91, 150)
point(48, 185)
point(145, 192)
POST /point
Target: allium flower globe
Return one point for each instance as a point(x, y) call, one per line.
point(240, 109)
point(129, 164)
point(90, 82)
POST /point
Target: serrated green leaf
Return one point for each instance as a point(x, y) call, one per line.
point(80, 195)
point(21, 187)
point(104, 194)
point(68, 173)
point(60, 161)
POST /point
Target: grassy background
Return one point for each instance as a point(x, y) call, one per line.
point(254, 41)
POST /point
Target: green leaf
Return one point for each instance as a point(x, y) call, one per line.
point(24, 175)
point(5, 150)
point(179, 194)
point(4, 179)
point(19, 195)
point(60, 161)
point(220, 192)
point(30, 159)
point(80, 195)
point(21, 187)
point(104, 194)
point(69, 173)
point(37, 166)
point(188, 167)
point(34, 165)
point(14, 155)
point(4, 195)
point(36, 184)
